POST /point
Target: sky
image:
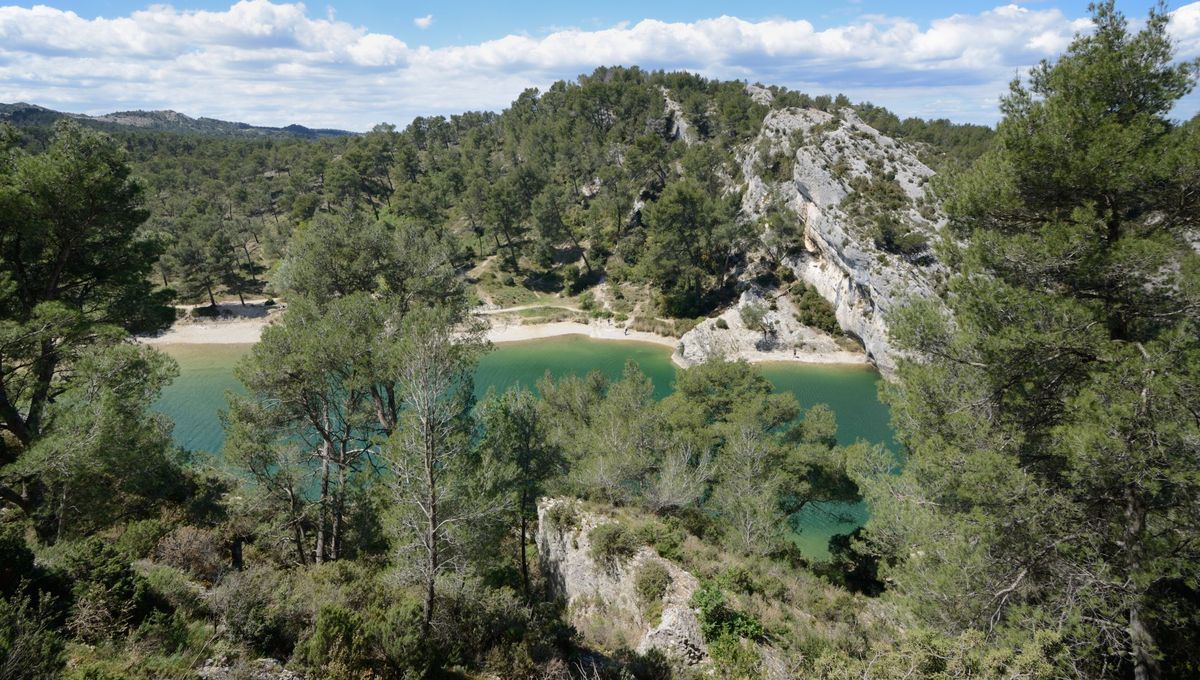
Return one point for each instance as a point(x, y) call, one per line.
point(351, 63)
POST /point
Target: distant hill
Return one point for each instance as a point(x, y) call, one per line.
point(32, 115)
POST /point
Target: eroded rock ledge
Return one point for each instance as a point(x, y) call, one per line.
point(604, 594)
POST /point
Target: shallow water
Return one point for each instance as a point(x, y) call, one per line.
point(206, 373)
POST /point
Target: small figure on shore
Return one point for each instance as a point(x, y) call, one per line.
point(627, 330)
point(793, 352)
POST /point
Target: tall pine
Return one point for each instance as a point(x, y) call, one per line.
point(1052, 417)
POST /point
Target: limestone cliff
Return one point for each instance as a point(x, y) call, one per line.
point(827, 158)
point(603, 596)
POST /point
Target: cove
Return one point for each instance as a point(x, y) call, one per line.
point(196, 398)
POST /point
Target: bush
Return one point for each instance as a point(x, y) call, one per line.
point(396, 635)
point(109, 596)
point(16, 566)
point(587, 301)
point(667, 540)
point(754, 316)
point(338, 647)
point(717, 619)
point(30, 647)
point(814, 310)
point(173, 587)
point(140, 538)
point(196, 551)
point(258, 616)
point(563, 516)
point(612, 544)
point(651, 582)
point(722, 323)
point(163, 632)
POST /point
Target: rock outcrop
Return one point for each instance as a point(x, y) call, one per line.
point(604, 594)
point(863, 281)
point(780, 336)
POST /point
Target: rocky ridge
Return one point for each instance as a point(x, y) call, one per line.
point(863, 281)
point(605, 595)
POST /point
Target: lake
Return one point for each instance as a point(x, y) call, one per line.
point(194, 400)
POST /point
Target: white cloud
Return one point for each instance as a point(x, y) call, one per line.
point(423, 22)
point(273, 63)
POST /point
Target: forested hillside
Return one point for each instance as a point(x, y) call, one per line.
point(368, 517)
point(585, 180)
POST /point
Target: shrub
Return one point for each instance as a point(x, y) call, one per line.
point(665, 539)
point(722, 323)
point(163, 632)
point(587, 301)
point(29, 645)
point(109, 595)
point(338, 647)
point(754, 316)
point(17, 563)
point(196, 551)
point(612, 544)
point(717, 619)
point(563, 516)
point(735, 657)
point(173, 587)
point(141, 537)
point(651, 582)
point(256, 615)
point(814, 310)
point(396, 636)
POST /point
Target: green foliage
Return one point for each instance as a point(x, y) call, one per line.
point(1052, 460)
point(718, 620)
point(256, 610)
point(139, 538)
point(689, 235)
point(754, 317)
point(814, 310)
point(563, 516)
point(651, 581)
point(612, 543)
point(338, 646)
point(31, 647)
point(109, 598)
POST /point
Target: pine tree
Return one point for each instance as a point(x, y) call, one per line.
point(1053, 476)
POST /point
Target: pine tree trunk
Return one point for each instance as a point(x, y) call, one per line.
point(323, 512)
point(1145, 666)
point(431, 546)
point(524, 533)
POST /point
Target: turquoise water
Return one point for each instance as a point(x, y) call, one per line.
point(206, 373)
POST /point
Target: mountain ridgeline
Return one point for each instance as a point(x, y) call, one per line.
point(30, 115)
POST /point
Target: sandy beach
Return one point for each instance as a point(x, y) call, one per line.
point(245, 325)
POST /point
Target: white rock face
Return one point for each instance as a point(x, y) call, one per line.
point(787, 339)
point(680, 128)
point(863, 282)
point(598, 590)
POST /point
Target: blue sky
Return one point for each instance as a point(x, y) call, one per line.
point(351, 63)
